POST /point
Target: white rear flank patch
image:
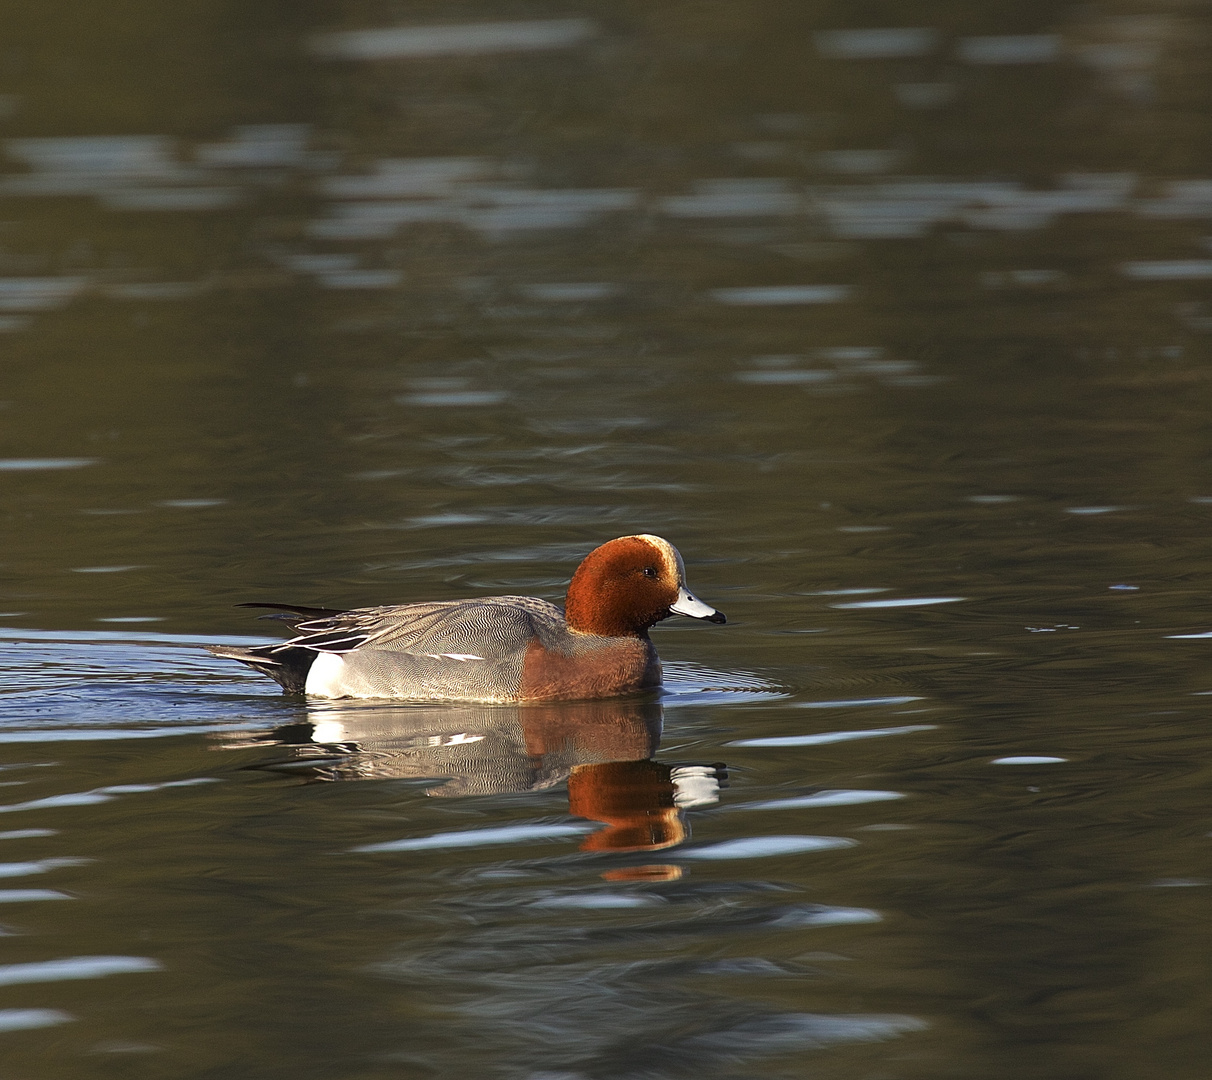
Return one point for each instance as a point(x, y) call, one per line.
point(325, 675)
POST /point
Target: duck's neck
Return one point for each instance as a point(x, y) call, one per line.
point(601, 618)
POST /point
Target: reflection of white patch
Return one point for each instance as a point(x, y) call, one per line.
point(461, 656)
point(325, 675)
point(327, 731)
point(461, 739)
point(695, 785)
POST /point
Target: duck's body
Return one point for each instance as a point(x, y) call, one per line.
point(494, 649)
point(500, 648)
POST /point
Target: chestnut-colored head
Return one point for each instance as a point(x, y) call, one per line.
point(629, 584)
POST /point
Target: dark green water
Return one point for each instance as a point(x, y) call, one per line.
point(895, 322)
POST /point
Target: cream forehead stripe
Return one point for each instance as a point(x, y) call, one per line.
point(669, 555)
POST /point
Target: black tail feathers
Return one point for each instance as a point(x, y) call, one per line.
point(288, 667)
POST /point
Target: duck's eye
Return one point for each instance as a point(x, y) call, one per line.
point(650, 571)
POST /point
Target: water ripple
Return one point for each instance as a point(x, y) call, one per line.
point(841, 797)
point(761, 847)
point(74, 967)
point(826, 737)
point(505, 834)
point(29, 1019)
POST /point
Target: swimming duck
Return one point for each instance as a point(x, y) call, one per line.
point(493, 648)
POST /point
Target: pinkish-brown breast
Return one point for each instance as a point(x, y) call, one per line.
point(623, 666)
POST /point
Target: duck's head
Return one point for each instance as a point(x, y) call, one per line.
point(629, 584)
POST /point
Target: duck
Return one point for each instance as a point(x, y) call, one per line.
point(492, 649)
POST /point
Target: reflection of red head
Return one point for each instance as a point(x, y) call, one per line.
point(650, 872)
point(634, 799)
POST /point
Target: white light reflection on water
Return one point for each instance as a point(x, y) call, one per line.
point(43, 464)
point(398, 178)
point(843, 797)
point(456, 39)
point(39, 294)
point(258, 146)
point(495, 211)
point(826, 738)
point(155, 290)
point(97, 795)
point(1010, 49)
point(786, 1031)
point(786, 377)
point(762, 847)
point(106, 569)
point(1169, 270)
point(1029, 759)
point(130, 619)
point(911, 601)
point(725, 198)
point(83, 165)
point(454, 398)
point(813, 915)
point(570, 292)
point(781, 295)
point(31, 1019)
point(586, 901)
point(75, 967)
point(41, 866)
point(1180, 199)
point(377, 220)
point(857, 162)
point(883, 43)
point(505, 834)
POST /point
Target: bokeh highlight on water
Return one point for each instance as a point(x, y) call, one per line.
point(895, 322)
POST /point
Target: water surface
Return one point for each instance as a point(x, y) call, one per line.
point(895, 323)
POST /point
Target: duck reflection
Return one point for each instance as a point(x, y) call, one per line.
point(603, 749)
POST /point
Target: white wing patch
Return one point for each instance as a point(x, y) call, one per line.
point(462, 657)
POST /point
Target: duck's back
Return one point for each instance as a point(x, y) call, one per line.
point(473, 650)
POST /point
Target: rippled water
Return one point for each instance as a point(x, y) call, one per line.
point(895, 323)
